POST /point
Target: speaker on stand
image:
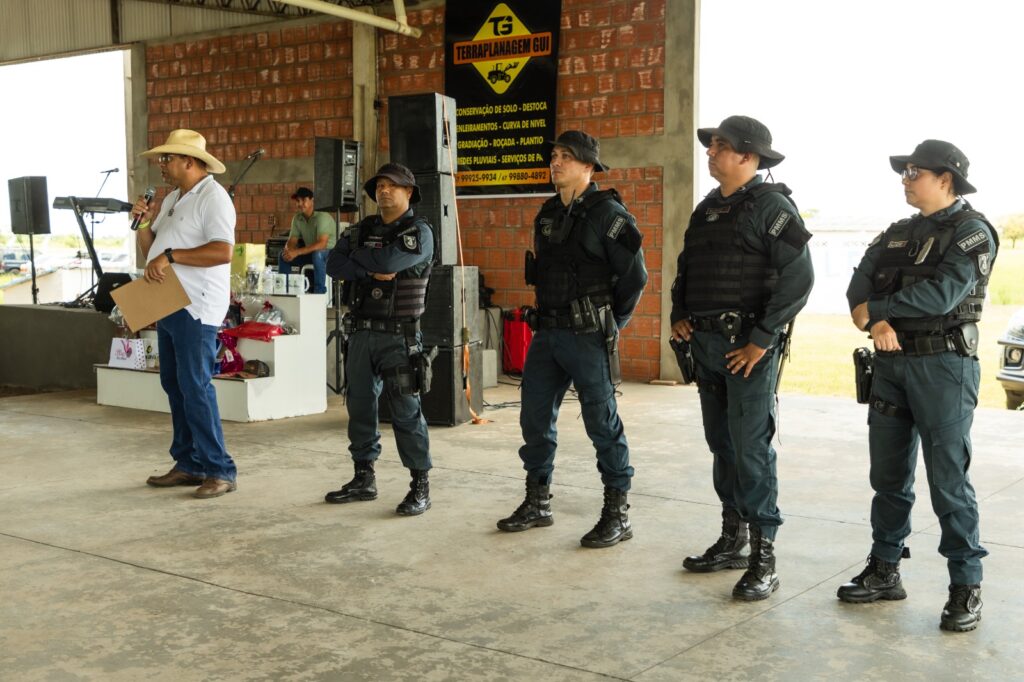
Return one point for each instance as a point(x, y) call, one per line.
point(336, 187)
point(30, 214)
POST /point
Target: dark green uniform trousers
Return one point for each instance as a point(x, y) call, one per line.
point(739, 424)
point(936, 395)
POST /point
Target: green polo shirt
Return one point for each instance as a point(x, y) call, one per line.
point(309, 229)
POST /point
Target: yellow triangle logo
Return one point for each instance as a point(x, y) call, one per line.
point(501, 48)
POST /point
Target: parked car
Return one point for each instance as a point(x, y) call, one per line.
point(1011, 363)
point(13, 260)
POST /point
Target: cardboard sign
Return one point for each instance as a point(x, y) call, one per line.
point(142, 303)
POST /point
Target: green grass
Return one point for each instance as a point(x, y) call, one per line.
point(1006, 287)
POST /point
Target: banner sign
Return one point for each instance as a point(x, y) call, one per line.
point(501, 66)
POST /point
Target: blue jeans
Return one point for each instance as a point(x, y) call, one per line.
point(188, 350)
point(556, 358)
point(318, 259)
point(369, 355)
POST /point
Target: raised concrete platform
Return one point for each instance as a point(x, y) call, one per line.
point(104, 578)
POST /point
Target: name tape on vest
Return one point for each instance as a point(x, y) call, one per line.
point(973, 241)
point(616, 228)
point(780, 224)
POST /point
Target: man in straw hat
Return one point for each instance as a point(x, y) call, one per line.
point(385, 262)
point(919, 291)
point(589, 273)
point(193, 233)
point(744, 273)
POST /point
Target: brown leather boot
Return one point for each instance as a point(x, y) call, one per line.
point(214, 487)
point(172, 478)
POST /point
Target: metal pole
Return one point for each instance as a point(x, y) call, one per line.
point(398, 26)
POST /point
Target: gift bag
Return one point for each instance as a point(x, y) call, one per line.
point(128, 353)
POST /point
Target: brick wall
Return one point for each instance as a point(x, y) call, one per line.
point(275, 89)
point(278, 89)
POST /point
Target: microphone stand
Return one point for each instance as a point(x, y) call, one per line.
point(106, 176)
point(238, 179)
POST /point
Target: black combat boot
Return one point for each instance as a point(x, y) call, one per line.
point(962, 612)
point(613, 526)
point(534, 511)
point(879, 580)
point(760, 579)
point(417, 500)
point(362, 487)
point(727, 552)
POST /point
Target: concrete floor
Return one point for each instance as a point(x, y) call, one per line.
point(106, 578)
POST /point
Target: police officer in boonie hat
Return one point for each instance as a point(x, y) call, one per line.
point(396, 173)
point(936, 155)
point(385, 262)
point(745, 134)
point(919, 291)
point(744, 273)
point(588, 272)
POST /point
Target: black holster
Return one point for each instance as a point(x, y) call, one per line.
point(423, 364)
point(965, 339)
point(611, 339)
point(684, 356)
point(864, 372)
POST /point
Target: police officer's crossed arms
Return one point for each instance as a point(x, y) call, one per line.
point(744, 273)
point(385, 263)
point(919, 290)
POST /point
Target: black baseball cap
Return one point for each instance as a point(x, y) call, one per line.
point(396, 173)
point(585, 148)
point(745, 134)
point(302, 193)
point(936, 155)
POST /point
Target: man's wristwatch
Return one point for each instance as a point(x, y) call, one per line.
point(169, 254)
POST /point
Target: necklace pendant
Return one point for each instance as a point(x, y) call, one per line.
point(170, 213)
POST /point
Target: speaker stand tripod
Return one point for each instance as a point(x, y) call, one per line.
point(337, 335)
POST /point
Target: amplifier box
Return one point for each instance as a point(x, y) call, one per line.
point(442, 322)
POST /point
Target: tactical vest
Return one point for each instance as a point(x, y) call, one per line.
point(911, 253)
point(565, 271)
point(722, 271)
point(402, 298)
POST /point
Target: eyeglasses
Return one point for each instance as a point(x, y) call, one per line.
point(164, 159)
point(914, 172)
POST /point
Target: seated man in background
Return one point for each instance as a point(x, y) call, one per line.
point(311, 237)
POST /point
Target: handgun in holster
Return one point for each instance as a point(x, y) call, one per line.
point(684, 356)
point(864, 372)
point(611, 340)
point(423, 362)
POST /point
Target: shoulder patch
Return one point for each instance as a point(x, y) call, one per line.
point(984, 263)
point(411, 243)
point(973, 241)
point(780, 223)
point(616, 228)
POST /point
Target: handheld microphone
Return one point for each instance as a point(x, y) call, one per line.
point(258, 152)
point(148, 196)
point(112, 170)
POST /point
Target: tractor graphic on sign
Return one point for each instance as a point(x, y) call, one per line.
point(499, 74)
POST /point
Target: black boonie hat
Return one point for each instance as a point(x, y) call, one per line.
point(396, 173)
point(936, 155)
point(745, 134)
point(584, 147)
point(302, 193)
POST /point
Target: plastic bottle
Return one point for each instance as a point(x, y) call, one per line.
point(268, 280)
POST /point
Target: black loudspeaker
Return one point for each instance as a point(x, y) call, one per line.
point(442, 322)
point(30, 205)
point(275, 245)
point(336, 165)
point(446, 403)
point(418, 139)
point(437, 205)
point(108, 282)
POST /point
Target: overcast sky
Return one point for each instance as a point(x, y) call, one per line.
point(844, 85)
point(841, 86)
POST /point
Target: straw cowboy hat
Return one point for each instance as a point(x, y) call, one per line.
point(187, 143)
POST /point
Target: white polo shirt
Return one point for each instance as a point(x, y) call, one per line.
point(202, 215)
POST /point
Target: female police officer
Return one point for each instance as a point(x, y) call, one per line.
point(919, 290)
